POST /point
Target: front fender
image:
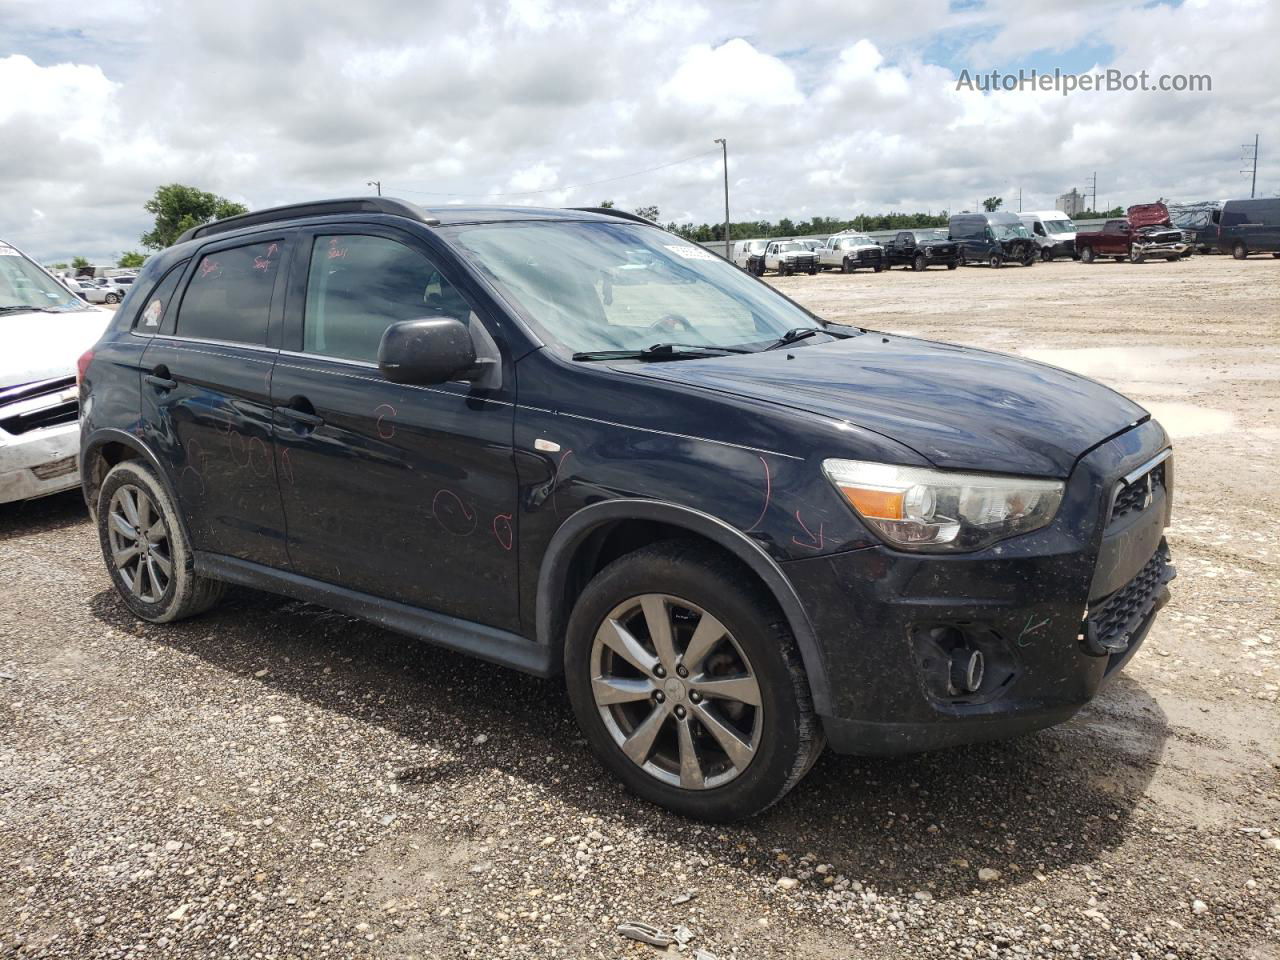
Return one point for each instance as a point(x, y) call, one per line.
point(557, 563)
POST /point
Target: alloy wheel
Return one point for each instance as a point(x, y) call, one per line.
point(676, 692)
point(139, 540)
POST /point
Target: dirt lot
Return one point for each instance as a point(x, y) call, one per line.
point(273, 780)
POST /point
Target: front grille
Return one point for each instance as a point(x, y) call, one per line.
point(53, 416)
point(37, 388)
point(870, 254)
point(34, 406)
point(1137, 496)
point(1112, 624)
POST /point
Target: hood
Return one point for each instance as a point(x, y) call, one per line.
point(958, 407)
point(1148, 215)
point(41, 346)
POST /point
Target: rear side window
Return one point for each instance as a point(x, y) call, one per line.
point(360, 285)
point(159, 301)
point(229, 296)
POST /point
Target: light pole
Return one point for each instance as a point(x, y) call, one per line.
point(375, 183)
point(724, 149)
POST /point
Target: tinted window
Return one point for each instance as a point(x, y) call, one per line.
point(229, 296)
point(358, 286)
point(157, 305)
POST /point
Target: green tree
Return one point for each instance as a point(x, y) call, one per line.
point(606, 203)
point(132, 258)
point(178, 208)
point(60, 266)
point(649, 213)
point(78, 262)
point(992, 204)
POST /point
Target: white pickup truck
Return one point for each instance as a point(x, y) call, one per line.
point(849, 251)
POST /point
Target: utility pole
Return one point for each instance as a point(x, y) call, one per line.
point(1019, 199)
point(724, 149)
point(1094, 185)
point(375, 183)
point(1253, 186)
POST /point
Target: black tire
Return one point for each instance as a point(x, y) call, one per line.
point(112, 298)
point(1029, 260)
point(846, 266)
point(952, 265)
point(1175, 258)
point(787, 736)
point(1046, 254)
point(1086, 255)
point(1136, 257)
point(1239, 250)
point(877, 268)
point(919, 263)
point(185, 594)
point(1119, 259)
point(813, 271)
point(995, 261)
point(1276, 255)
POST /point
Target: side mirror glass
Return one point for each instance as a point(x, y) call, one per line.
point(428, 351)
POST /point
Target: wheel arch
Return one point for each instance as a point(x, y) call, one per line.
point(107, 447)
point(578, 543)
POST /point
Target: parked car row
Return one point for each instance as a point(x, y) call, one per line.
point(997, 238)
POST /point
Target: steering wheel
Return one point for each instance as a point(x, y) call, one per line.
point(671, 323)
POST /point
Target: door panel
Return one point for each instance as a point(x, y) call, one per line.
point(404, 492)
point(206, 402)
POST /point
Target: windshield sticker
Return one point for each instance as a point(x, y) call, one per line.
point(151, 318)
point(688, 251)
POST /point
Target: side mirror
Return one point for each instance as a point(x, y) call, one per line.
point(423, 352)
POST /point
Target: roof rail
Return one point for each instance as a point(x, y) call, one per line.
point(314, 208)
point(612, 212)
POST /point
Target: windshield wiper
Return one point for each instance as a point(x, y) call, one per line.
point(661, 351)
point(803, 333)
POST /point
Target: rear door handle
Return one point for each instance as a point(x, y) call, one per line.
point(300, 416)
point(159, 378)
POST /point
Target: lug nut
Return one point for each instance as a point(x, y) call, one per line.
point(695, 696)
point(680, 712)
point(659, 696)
point(682, 671)
point(659, 672)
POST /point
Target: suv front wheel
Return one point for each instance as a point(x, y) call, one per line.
point(147, 552)
point(687, 685)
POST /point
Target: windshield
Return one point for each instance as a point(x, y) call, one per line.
point(1059, 226)
point(859, 238)
point(24, 284)
point(785, 247)
point(1007, 231)
point(588, 286)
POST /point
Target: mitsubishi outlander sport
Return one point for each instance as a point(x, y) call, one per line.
point(571, 443)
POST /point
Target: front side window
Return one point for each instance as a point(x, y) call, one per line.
point(608, 286)
point(359, 285)
point(1060, 226)
point(229, 295)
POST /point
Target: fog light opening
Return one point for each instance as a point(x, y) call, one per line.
point(967, 669)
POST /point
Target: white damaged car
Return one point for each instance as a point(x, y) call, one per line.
point(44, 328)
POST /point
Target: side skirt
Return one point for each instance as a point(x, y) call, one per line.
point(476, 639)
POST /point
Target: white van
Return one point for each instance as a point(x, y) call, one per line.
point(749, 255)
point(1053, 231)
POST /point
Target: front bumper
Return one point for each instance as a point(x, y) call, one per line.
point(889, 621)
point(39, 463)
point(1161, 249)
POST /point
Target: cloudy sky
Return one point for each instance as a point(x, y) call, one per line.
point(830, 107)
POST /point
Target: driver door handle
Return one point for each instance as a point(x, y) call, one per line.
point(159, 378)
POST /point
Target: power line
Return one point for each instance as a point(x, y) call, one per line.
point(575, 186)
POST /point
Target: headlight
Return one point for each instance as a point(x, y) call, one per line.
point(916, 508)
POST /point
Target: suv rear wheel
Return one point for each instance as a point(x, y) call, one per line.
point(1086, 254)
point(688, 685)
point(146, 550)
point(1239, 251)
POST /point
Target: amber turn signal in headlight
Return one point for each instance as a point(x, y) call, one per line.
point(917, 508)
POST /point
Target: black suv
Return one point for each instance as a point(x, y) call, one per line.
point(574, 444)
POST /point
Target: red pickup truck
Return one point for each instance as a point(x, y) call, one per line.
point(1146, 232)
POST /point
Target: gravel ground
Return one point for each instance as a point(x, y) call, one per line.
point(275, 780)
